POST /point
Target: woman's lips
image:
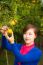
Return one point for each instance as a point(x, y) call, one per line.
point(27, 39)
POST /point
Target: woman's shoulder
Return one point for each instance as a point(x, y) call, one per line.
point(18, 44)
point(37, 50)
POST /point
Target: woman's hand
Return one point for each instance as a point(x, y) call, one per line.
point(4, 32)
point(10, 39)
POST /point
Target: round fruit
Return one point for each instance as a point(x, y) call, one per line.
point(9, 32)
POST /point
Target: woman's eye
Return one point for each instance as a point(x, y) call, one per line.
point(30, 34)
point(27, 33)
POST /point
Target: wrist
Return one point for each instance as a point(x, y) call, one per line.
point(12, 42)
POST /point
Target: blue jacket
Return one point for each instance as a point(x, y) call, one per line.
point(31, 58)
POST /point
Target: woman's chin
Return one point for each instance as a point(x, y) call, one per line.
point(27, 42)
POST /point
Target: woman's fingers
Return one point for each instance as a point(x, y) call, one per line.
point(10, 39)
point(3, 29)
point(9, 36)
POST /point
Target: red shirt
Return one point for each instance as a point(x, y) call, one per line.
point(25, 49)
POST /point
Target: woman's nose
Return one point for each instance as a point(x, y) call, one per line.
point(27, 35)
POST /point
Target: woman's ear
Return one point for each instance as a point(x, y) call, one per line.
point(35, 36)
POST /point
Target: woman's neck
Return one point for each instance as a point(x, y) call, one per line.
point(29, 44)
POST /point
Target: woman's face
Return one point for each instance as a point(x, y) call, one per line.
point(29, 36)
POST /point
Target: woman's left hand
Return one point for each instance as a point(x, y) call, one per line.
point(10, 39)
point(5, 33)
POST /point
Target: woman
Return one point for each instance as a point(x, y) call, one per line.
point(27, 53)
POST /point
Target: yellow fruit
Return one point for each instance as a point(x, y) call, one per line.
point(9, 32)
point(13, 22)
point(33, 1)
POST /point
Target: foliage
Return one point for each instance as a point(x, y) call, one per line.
point(24, 11)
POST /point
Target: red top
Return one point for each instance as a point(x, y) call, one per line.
point(25, 49)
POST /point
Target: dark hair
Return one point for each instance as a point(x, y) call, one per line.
point(30, 26)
